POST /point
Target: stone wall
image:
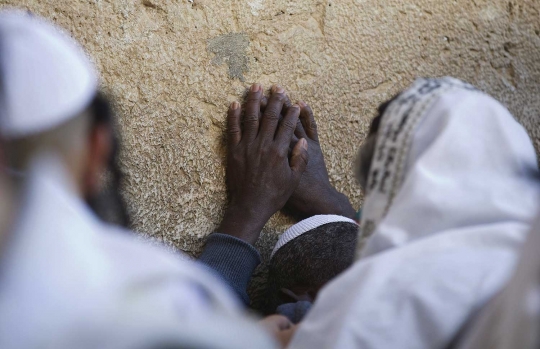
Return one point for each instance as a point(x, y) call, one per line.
point(173, 67)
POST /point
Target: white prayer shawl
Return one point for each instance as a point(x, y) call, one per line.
point(512, 318)
point(452, 192)
point(70, 281)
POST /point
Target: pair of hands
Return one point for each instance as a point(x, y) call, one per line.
point(275, 160)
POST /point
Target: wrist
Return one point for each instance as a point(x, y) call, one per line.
point(332, 202)
point(343, 206)
point(243, 222)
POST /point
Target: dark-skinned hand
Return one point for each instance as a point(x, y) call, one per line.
point(261, 176)
point(315, 195)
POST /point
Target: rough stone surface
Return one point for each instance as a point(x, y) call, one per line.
point(175, 65)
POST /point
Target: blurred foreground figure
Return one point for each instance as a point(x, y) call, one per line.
point(452, 189)
point(68, 280)
point(512, 318)
point(7, 202)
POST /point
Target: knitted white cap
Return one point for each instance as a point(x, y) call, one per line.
point(45, 76)
point(307, 225)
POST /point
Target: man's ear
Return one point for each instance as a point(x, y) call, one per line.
point(100, 150)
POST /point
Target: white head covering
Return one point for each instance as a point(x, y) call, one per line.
point(446, 156)
point(452, 192)
point(46, 76)
point(307, 225)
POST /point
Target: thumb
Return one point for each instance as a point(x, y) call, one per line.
point(299, 159)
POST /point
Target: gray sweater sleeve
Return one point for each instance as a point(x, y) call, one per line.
point(233, 259)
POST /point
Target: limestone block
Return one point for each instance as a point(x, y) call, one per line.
point(173, 66)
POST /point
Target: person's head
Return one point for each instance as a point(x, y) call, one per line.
point(51, 104)
point(446, 156)
point(305, 260)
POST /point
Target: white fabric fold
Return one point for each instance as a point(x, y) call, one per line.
point(68, 280)
point(452, 192)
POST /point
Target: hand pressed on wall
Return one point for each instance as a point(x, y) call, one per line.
point(315, 195)
point(260, 174)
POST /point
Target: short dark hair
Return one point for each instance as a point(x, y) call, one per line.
point(312, 259)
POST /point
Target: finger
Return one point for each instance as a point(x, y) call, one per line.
point(299, 160)
point(286, 127)
point(284, 337)
point(234, 129)
point(251, 117)
point(264, 102)
point(286, 105)
point(308, 121)
point(299, 132)
point(294, 140)
point(270, 117)
point(278, 322)
point(275, 324)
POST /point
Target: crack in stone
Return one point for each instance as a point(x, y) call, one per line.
point(149, 3)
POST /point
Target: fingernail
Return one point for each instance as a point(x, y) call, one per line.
point(235, 105)
point(303, 143)
point(295, 106)
point(277, 89)
point(255, 87)
point(302, 104)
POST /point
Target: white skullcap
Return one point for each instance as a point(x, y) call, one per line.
point(306, 225)
point(46, 78)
